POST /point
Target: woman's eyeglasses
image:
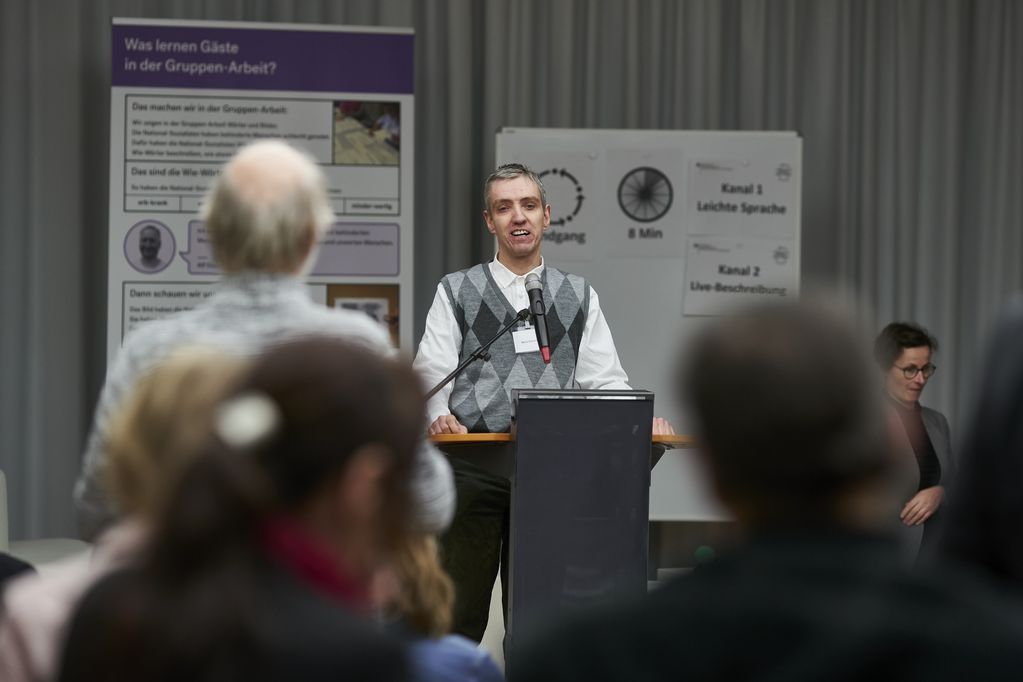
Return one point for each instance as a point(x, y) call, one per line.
point(910, 371)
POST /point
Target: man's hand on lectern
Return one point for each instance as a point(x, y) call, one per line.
point(661, 427)
point(446, 423)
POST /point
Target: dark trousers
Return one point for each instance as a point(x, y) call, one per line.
point(476, 545)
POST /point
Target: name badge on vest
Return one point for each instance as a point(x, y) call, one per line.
point(525, 340)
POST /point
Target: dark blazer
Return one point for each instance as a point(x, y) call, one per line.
point(292, 632)
point(937, 429)
point(796, 606)
point(936, 426)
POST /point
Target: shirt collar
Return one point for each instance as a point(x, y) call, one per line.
point(505, 277)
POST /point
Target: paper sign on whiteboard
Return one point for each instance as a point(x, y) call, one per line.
point(643, 206)
point(567, 178)
point(747, 197)
point(722, 273)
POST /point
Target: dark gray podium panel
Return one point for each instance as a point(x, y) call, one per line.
point(580, 502)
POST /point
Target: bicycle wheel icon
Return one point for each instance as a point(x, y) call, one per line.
point(645, 194)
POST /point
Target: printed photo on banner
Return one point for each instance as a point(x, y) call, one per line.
point(149, 246)
point(367, 133)
point(377, 301)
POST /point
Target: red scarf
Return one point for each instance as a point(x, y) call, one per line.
point(288, 542)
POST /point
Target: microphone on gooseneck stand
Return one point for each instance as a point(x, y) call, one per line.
point(534, 288)
point(481, 353)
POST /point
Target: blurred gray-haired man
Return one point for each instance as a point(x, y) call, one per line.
point(264, 215)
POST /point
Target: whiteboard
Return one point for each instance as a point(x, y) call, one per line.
point(670, 228)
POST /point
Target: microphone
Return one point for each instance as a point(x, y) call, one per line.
point(534, 288)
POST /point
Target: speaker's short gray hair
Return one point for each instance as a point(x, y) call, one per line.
point(510, 171)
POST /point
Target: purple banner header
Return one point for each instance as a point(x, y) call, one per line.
point(262, 59)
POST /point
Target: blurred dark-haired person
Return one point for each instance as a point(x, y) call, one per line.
point(985, 511)
point(792, 430)
point(904, 352)
point(264, 214)
point(260, 564)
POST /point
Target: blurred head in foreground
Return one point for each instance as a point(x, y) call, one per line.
point(162, 426)
point(261, 558)
point(267, 209)
point(985, 510)
point(320, 435)
point(788, 417)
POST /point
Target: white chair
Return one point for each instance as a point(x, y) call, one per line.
point(40, 553)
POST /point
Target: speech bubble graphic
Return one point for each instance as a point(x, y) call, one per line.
point(199, 255)
point(370, 249)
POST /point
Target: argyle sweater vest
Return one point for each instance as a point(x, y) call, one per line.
point(481, 396)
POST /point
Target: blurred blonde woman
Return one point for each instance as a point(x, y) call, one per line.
point(422, 597)
point(163, 424)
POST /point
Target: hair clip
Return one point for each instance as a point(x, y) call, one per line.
point(247, 420)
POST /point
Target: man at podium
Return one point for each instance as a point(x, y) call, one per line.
point(469, 309)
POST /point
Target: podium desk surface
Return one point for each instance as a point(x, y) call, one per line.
point(672, 441)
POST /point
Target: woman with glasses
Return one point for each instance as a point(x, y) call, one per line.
point(903, 351)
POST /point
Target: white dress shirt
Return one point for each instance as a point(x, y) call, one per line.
point(597, 366)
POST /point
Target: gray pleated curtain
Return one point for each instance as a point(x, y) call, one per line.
point(910, 112)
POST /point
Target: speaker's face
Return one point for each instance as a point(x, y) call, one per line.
point(518, 218)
